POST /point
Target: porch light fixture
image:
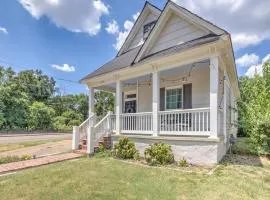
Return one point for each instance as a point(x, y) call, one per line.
point(184, 79)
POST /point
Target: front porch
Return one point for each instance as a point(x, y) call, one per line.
point(182, 101)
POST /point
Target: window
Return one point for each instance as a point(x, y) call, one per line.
point(131, 96)
point(147, 28)
point(174, 98)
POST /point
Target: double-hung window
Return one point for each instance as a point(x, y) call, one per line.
point(174, 98)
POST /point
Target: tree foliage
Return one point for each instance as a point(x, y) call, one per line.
point(254, 110)
point(104, 102)
point(67, 120)
point(40, 116)
point(29, 100)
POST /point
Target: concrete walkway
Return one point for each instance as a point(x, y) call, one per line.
point(41, 150)
point(5, 168)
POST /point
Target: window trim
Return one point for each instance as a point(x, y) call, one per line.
point(174, 87)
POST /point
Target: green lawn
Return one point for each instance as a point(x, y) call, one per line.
point(108, 178)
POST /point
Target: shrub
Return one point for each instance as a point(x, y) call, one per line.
point(159, 154)
point(67, 120)
point(26, 157)
point(125, 149)
point(183, 163)
point(102, 152)
point(40, 116)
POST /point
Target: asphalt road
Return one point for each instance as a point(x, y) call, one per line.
point(20, 138)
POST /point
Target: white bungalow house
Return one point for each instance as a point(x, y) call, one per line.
point(175, 81)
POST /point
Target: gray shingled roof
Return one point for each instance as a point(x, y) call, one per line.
point(178, 48)
point(117, 63)
point(126, 59)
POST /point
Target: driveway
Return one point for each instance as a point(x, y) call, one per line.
point(20, 138)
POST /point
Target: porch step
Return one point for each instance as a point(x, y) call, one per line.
point(105, 141)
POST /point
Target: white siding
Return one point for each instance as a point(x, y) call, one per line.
point(176, 31)
point(138, 38)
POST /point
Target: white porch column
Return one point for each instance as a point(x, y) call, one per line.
point(91, 100)
point(118, 107)
point(214, 96)
point(225, 108)
point(155, 102)
point(75, 138)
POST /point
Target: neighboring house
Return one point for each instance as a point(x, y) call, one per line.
point(175, 81)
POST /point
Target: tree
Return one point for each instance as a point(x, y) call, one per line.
point(104, 102)
point(36, 85)
point(254, 110)
point(77, 103)
point(40, 116)
point(14, 102)
point(67, 120)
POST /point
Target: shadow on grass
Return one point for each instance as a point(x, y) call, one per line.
point(242, 155)
point(236, 159)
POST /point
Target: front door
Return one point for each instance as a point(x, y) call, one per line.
point(130, 106)
point(130, 122)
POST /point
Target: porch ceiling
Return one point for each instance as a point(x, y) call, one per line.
point(184, 71)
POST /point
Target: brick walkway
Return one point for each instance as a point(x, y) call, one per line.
point(4, 168)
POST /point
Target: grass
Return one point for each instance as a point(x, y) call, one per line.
point(11, 146)
point(108, 178)
point(9, 159)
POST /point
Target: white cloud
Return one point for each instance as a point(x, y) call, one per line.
point(3, 30)
point(121, 36)
point(112, 27)
point(247, 60)
point(64, 67)
point(76, 16)
point(257, 69)
point(246, 20)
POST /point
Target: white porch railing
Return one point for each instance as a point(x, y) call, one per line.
point(101, 128)
point(112, 122)
point(188, 122)
point(84, 127)
point(185, 122)
point(137, 123)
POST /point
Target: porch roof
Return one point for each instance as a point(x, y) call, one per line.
point(127, 59)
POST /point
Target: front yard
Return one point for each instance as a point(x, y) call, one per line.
point(108, 178)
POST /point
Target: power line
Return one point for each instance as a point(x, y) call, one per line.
point(56, 78)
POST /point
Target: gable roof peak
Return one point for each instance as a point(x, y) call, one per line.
point(148, 8)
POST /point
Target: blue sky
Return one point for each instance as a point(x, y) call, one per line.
point(46, 34)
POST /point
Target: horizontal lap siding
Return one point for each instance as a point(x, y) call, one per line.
point(138, 39)
point(176, 31)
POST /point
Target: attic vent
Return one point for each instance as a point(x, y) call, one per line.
point(147, 28)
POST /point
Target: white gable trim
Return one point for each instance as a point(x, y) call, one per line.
point(181, 12)
point(148, 8)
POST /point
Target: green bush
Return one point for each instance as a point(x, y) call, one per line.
point(40, 116)
point(159, 154)
point(26, 157)
point(125, 149)
point(67, 120)
point(262, 138)
point(183, 162)
point(254, 110)
point(102, 152)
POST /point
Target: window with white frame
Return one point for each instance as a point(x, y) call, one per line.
point(174, 98)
